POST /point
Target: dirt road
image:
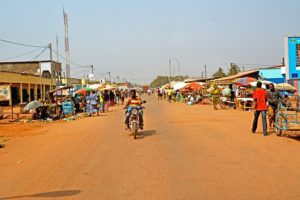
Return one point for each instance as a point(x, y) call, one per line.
point(185, 152)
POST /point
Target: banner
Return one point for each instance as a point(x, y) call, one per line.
point(5, 93)
point(292, 57)
point(67, 107)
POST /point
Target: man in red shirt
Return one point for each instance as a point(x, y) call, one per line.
point(260, 106)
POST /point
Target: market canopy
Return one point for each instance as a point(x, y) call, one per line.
point(192, 87)
point(285, 87)
point(62, 91)
point(245, 81)
point(96, 86)
point(83, 91)
point(254, 83)
point(179, 85)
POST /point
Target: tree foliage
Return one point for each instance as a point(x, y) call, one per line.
point(219, 73)
point(162, 80)
point(234, 69)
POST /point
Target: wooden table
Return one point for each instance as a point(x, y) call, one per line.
point(242, 103)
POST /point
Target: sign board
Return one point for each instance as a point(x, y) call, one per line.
point(5, 93)
point(46, 66)
point(67, 107)
point(292, 57)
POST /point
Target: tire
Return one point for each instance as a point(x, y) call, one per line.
point(279, 122)
point(278, 132)
point(134, 128)
point(134, 134)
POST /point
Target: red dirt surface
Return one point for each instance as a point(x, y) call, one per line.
point(185, 152)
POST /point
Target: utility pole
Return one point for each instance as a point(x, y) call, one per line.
point(50, 48)
point(205, 71)
point(51, 64)
point(67, 50)
point(109, 77)
point(202, 75)
point(174, 72)
point(170, 70)
point(57, 48)
point(178, 65)
point(92, 66)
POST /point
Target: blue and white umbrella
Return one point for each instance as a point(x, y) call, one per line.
point(33, 105)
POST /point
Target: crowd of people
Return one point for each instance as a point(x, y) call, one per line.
point(172, 95)
point(265, 101)
point(90, 103)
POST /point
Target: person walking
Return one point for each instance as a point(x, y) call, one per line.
point(260, 106)
point(101, 101)
point(93, 103)
point(88, 104)
point(170, 93)
point(106, 100)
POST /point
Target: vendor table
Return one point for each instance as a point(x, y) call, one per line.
point(244, 103)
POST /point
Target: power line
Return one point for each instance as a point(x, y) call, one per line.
point(40, 53)
point(69, 60)
point(22, 44)
point(23, 54)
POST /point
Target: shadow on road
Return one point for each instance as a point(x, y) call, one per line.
point(289, 134)
point(53, 194)
point(294, 137)
point(146, 133)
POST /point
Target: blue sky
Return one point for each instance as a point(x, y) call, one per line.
point(136, 38)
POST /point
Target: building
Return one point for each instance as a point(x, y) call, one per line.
point(229, 79)
point(50, 69)
point(28, 80)
point(273, 74)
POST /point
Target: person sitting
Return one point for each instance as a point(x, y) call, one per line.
point(134, 101)
point(191, 100)
point(198, 98)
point(287, 102)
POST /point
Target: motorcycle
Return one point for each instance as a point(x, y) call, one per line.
point(134, 121)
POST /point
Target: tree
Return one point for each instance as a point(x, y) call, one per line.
point(219, 74)
point(162, 80)
point(234, 69)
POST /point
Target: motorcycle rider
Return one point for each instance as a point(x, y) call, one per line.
point(133, 101)
point(273, 100)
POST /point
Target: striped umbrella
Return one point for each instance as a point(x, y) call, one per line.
point(245, 81)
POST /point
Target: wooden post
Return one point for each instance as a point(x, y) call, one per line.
point(35, 92)
point(29, 92)
point(44, 93)
point(21, 93)
point(10, 99)
point(10, 102)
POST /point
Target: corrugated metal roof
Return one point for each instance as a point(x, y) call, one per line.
point(239, 75)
